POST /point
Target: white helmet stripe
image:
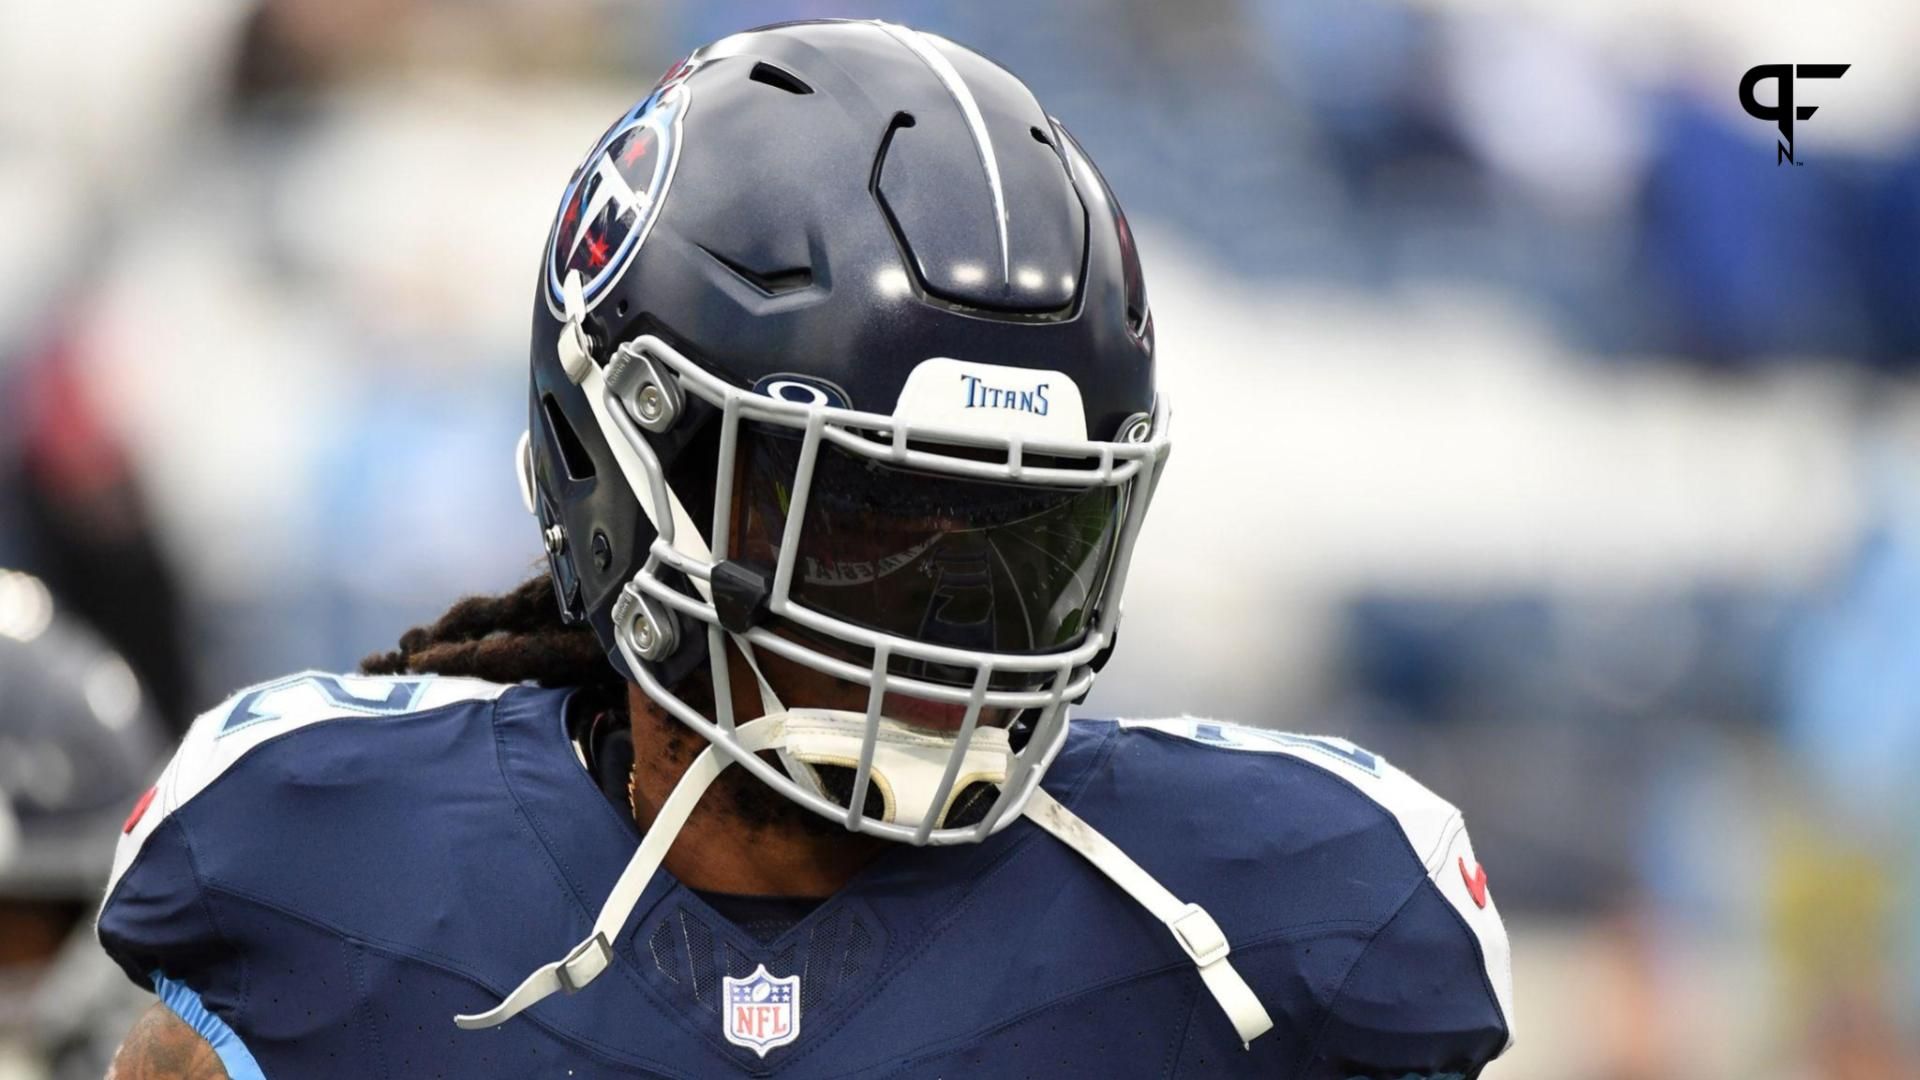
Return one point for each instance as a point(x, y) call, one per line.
point(949, 77)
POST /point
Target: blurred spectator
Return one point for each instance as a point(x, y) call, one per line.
point(78, 513)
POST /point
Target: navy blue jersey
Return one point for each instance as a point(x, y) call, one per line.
point(333, 866)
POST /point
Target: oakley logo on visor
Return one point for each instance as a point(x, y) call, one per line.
point(802, 389)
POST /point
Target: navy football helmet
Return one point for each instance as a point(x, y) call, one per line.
point(841, 352)
point(79, 743)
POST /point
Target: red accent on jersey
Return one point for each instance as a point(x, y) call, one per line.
point(1476, 880)
point(139, 810)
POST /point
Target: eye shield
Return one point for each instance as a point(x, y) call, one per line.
point(970, 563)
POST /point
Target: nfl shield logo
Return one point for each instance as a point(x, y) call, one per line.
point(762, 1012)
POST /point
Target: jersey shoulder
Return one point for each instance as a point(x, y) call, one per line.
point(1286, 831)
point(239, 737)
point(308, 824)
point(1429, 823)
point(229, 735)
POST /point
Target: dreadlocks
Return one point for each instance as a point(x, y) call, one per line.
point(514, 637)
point(518, 637)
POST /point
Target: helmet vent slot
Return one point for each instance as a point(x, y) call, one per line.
point(768, 282)
point(778, 78)
point(573, 454)
point(900, 120)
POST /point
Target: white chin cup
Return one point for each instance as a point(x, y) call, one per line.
point(908, 761)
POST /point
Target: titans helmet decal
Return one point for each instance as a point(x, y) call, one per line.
point(616, 193)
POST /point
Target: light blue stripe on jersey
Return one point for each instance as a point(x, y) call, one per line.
point(225, 1041)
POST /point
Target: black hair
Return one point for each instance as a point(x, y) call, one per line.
point(517, 636)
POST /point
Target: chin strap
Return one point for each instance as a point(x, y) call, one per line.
point(1195, 931)
point(770, 705)
point(593, 956)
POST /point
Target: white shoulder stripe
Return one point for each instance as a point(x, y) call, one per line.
point(229, 731)
point(949, 77)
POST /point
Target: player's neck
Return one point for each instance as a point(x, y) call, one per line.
point(743, 837)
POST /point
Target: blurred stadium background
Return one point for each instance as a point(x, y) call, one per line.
point(1534, 428)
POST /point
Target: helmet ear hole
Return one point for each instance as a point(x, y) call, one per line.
point(573, 453)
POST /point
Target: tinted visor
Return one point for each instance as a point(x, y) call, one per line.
point(966, 563)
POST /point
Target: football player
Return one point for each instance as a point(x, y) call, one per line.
point(842, 427)
point(79, 741)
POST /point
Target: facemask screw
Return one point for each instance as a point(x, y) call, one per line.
point(649, 391)
point(645, 628)
point(556, 539)
point(653, 640)
point(652, 406)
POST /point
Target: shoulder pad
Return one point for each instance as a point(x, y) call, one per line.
point(1428, 821)
point(228, 732)
point(1434, 828)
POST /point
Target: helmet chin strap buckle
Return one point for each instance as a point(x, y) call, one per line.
point(1194, 931)
point(575, 346)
